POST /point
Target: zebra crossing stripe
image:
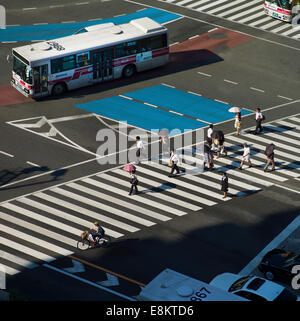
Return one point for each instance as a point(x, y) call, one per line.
point(18, 260)
point(234, 182)
point(9, 270)
point(164, 186)
point(24, 249)
point(41, 218)
point(98, 205)
point(35, 240)
point(260, 164)
point(285, 123)
point(238, 8)
point(263, 157)
point(283, 130)
point(254, 16)
point(228, 5)
point(295, 119)
point(58, 213)
point(258, 22)
point(263, 147)
point(100, 195)
point(271, 24)
point(118, 191)
point(284, 26)
point(211, 4)
point(201, 180)
point(38, 229)
point(180, 3)
point(244, 13)
point(195, 4)
point(92, 215)
point(253, 170)
point(164, 197)
point(186, 185)
point(286, 139)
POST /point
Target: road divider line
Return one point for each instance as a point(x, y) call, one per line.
point(4, 153)
point(25, 9)
point(204, 74)
point(193, 37)
point(231, 82)
point(284, 97)
point(33, 164)
point(257, 89)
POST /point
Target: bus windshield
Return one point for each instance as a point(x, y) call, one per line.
point(285, 4)
point(23, 70)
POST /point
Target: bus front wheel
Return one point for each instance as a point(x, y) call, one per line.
point(59, 89)
point(129, 71)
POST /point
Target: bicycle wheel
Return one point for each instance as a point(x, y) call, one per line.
point(83, 244)
point(104, 241)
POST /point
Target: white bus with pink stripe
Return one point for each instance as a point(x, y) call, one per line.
point(285, 10)
point(92, 55)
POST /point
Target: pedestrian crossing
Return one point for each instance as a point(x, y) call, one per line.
point(248, 12)
point(42, 226)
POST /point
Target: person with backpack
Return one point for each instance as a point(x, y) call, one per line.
point(134, 182)
point(219, 142)
point(96, 231)
point(269, 152)
point(259, 117)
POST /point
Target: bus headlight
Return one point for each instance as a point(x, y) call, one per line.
point(13, 81)
point(26, 90)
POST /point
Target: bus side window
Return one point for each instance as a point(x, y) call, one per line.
point(83, 59)
point(158, 42)
point(131, 48)
point(144, 45)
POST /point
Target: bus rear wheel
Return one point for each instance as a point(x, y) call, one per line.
point(59, 89)
point(129, 71)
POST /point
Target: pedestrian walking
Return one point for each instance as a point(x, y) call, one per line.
point(134, 182)
point(238, 123)
point(140, 148)
point(209, 135)
point(246, 156)
point(259, 117)
point(269, 152)
point(208, 157)
point(219, 141)
point(224, 184)
point(174, 160)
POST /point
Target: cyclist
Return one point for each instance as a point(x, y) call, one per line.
point(96, 231)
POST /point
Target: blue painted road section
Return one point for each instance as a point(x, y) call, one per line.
point(140, 115)
point(182, 102)
point(53, 31)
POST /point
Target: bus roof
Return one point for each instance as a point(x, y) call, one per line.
point(170, 285)
point(101, 37)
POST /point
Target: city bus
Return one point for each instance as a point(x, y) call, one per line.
point(91, 55)
point(284, 10)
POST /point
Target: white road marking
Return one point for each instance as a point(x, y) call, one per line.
point(193, 37)
point(260, 90)
point(238, 8)
point(191, 92)
point(288, 189)
point(284, 97)
point(221, 101)
point(231, 82)
point(89, 282)
point(204, 74)
point(29, 9)
point(18, 260)
point(137, 198)
point(82, 211)
point(4, 153)
point(254, 16)
point(114, 200)
point(211, 30)
point(33, 164)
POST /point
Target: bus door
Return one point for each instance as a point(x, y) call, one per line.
point(40, 79)
point(108, 64)
point(102, 64)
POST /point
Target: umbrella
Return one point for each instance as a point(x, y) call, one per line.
point(163, 132)
point(129, 168)
point(234, 110)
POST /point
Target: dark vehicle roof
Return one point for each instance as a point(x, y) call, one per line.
point(281, 258)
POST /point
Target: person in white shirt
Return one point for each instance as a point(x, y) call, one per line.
point(174, 158)
point(140, 147)
point(209, 134)
point(246, 156)
point(259, 119)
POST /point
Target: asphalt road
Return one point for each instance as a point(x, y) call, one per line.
point(258, 70)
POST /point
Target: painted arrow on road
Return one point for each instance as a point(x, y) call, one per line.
point(111, 280)
point(76, 268)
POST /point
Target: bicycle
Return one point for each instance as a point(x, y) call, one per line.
point(85, 241)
